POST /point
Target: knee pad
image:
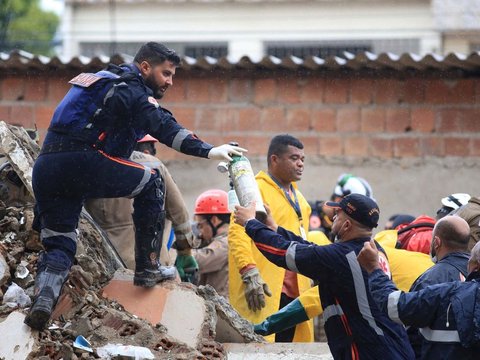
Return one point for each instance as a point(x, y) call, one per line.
point(149, 206)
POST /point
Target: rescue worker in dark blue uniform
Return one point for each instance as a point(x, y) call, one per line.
point(354, 325)
point(447, 314)
point(449, 247)
point(85, 155)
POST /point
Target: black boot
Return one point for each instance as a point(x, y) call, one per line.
point(148, 242)
point(148, 270)
point(48, 285)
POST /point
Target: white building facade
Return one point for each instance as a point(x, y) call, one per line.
point(255, 28)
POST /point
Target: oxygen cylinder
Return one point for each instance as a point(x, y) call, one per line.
point(244, 184)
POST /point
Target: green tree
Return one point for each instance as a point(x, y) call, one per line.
point(24, 25)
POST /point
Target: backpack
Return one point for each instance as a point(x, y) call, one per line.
point(82, 113)
point(416, 236)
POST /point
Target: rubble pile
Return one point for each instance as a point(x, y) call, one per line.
point(91, 319)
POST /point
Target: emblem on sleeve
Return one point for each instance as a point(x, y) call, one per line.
point(153, 101)
point(383, 262)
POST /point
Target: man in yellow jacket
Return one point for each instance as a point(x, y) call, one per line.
point(259, 288)
point(405, 266)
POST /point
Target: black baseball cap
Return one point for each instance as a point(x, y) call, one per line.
point(360, 208)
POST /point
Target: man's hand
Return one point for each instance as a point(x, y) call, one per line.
point(368, 257)
point(242, 214)
point(225, 151)
point(255, 289)
point(187, 268)
point(269, 221)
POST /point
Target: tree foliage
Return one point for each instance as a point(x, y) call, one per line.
point(24, 25)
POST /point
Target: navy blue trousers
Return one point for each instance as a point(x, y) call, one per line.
point(63, 181)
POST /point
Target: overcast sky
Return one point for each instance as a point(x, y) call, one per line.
point(52, 5)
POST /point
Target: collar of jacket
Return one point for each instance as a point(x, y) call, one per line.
point(262, 175)
point(456, 254)
point(475, 200)
point(473, 276)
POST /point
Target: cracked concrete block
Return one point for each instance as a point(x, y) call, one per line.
point(4, 271)
point(278, 351)
point(176, 306)
point(230, 327)
point(17, 340)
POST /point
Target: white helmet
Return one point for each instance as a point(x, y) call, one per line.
point(350, 184)
point(454, 201)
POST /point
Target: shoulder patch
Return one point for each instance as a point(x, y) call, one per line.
point(153, 101)
point(383, 262)
point(85, 79)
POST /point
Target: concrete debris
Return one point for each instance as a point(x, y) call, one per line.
point(15, 297)
point(228, 324)
point(17, 340)
point(278, 351)
point(129, 352)
point(99, 302)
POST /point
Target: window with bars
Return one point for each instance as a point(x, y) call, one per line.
point(325, 49)
point(92, 49)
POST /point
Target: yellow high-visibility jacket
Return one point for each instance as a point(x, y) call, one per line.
point(242, 252)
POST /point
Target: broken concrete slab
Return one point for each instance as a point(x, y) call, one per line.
point(17, 155)
point(4, 270)
point(17, 340)
point(278, 351)
point(230, 327)
point(176, 306)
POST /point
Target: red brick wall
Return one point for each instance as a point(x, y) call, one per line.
point(334, 115)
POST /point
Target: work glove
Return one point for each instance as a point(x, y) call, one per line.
point(255, 289)
point(187, 268)
point(224, 152)
point(285, 318)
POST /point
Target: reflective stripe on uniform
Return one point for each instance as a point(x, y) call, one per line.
point(143, 182)
point(178, 140)
point(332, 310)
point(440, 335)
point(392, 306)
point(361, 292)
point(46, 233)
point(290, 257)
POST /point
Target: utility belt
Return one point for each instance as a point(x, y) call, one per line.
point(66, 146)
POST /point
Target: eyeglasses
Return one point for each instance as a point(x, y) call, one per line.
point(198, 224)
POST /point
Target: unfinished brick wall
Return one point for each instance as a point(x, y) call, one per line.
point(333, 114)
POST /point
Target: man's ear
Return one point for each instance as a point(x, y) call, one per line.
point(145, 67)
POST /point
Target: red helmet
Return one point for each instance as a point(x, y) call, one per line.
point(212, 202)
point(147, 138)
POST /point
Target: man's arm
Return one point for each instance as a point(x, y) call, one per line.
point(212, 257)
point(415, 309)
point(287, 250)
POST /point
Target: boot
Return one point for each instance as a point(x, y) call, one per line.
point(48, 285)
point(148, 271)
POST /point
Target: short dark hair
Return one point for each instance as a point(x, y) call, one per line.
point(148, 145)
point(279, 145)
point(156, 53)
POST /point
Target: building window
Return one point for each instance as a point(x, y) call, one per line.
point(325, 49)
point(193, 50)
point(197, 51)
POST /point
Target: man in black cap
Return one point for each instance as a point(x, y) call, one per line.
point(354, 325)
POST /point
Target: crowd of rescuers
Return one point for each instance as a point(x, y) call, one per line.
point(432, 261)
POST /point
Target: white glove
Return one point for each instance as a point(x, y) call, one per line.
point(224, 152)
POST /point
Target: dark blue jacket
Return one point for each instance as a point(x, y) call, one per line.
point(452, 267)
point(448, 314)
point(116, 106)
point(355, 327)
